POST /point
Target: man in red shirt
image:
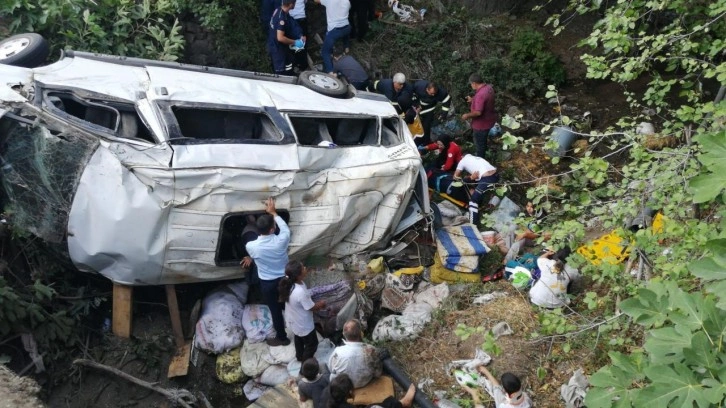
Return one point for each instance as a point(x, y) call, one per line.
point(483, 115)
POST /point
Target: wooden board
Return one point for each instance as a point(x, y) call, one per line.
point(122, 310)
point(179, 365)
point(375, 392)
point(280, 396)
point(176, 326)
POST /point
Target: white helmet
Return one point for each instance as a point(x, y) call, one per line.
point(399, 78)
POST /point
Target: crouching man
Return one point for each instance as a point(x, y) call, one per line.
point(480, 172)
point(360, 361)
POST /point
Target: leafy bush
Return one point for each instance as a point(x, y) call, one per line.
point(529, 52)
point(104, 26)
point(37, 296)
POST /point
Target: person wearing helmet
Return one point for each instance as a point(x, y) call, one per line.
point(397, 90)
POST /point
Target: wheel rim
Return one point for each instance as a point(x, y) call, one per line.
point(324, 81)
point(13, 47)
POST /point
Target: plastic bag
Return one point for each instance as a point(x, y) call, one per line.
point(257, 322)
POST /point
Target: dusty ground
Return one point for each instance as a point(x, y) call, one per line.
point(427, 356)
point(18, 392)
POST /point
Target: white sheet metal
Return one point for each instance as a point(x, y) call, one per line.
point(13, 76)
point(115, 226)
point(218, 89)
point(104, 78)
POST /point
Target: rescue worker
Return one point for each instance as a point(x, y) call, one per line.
point(480, 172)
point(267, 7)
point(284, 32)
point(301, 55)
point(428, 96)
point(397, 90)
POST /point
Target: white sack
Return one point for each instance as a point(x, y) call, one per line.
point(282, 354)
point(219, 327)
point(257, 322)
point(405, 326)
point(274, 375)
point(433, 295)
point(255, 358)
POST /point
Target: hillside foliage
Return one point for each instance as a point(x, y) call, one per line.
point(660, 335)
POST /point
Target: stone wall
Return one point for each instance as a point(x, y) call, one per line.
point(200, 49)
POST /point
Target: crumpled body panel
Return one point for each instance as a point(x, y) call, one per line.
point(150, 208)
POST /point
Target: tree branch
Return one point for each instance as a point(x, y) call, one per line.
point(180, 396)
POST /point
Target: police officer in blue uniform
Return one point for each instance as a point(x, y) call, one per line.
point(428, 95)
point(284, 32)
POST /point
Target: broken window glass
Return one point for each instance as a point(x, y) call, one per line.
point(40, 173)
point(391, 132)
point(236, 231)
point(342, 131)
point(216, 125)
point(117, 118)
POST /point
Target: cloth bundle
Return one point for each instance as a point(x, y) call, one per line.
point(460, 247)
point(336, 296)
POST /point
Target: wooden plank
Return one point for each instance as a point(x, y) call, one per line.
point(122, 310)
point(176, 326)
point(179, 365)
point(280, 396)
point(376, 391)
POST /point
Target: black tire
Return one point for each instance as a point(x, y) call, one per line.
point(323, 83)
point(28, 50)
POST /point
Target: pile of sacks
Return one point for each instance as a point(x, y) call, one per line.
point(236, 332)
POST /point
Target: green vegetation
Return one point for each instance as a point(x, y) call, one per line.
point(675, 353)
point(456, 45)
point(43, 301)
point(660, 336)
point(104, 26)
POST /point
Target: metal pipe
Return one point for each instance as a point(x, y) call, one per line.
point(394, 370)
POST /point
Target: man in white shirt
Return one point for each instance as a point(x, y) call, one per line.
point(360, 361)
point(336, 13)
point(269, 251)
point(480, 172)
